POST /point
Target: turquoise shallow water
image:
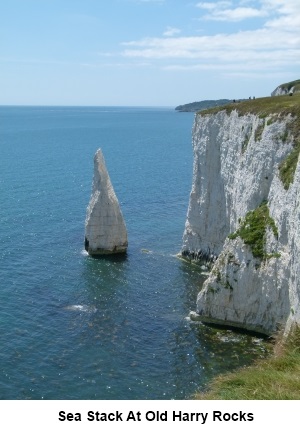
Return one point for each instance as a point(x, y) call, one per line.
point(73, 327)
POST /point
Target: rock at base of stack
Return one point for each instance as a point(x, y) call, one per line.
point(105, 229)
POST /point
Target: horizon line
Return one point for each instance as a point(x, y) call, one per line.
point(87, 105)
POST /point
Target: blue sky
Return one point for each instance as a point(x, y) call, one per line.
point(145, 52)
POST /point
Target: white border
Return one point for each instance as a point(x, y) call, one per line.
point(44, 415)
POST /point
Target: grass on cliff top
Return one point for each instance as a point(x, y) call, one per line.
point(276, 378)
point(264, 106)
point(277, 107)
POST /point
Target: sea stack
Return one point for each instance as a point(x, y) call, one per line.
point(105, 229)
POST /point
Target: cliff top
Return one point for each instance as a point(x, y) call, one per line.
point(272, 109)
point(262, 107)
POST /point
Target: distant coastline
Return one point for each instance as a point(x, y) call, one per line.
point(204, 104)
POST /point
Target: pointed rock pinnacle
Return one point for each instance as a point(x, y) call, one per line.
point(105, 230)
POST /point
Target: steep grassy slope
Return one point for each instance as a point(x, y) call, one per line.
point(277, 378)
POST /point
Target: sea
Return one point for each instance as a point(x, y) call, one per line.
point(74, 327)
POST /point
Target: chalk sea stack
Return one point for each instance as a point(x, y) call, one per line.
point(105, 229)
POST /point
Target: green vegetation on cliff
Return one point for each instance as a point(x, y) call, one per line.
point(288, 166)
point(277, 378)
point(253, 231)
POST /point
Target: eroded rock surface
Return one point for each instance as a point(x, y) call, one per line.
point(236, 170)
point(105, 229)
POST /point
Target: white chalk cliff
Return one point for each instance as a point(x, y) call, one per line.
point(105, 230)
point(287, 88)
point(237, 155)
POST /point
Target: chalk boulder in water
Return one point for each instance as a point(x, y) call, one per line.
point(105, 229)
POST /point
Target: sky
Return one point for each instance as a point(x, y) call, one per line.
point(145, 52)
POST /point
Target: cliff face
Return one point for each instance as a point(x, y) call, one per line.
point(287, 88)
point(243, 219)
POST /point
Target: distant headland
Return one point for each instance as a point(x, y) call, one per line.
point(202, 105)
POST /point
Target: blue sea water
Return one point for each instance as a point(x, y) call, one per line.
point(74, 327)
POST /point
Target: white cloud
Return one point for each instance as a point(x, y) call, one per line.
point(171, 31)
point(221, 11)
point(275, 46)
point(237, 14)
point(214, 5)
point(287, 14)
point(245, 9)
point(213, 46)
